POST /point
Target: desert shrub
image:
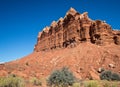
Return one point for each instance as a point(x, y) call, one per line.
point(115, 76)
point(11, 82)
point(109, 75)
point(91, 83)
point(106, 75)
point(62, 78)
point(105, 83)
point(36, 81)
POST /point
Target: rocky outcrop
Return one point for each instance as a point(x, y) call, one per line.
point(116, 37)
point(73, 29)
point(86, 59)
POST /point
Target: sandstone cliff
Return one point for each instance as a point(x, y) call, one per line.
point(74, 29)
point(85, 47)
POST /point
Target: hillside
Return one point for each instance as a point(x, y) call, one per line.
point(75, 41)
point(84, 60)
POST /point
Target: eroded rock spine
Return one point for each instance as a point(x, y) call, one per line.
point(73, 29)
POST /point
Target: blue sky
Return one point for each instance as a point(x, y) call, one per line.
point(21, 20)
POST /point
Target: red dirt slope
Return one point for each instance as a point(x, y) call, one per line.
point(84, 60)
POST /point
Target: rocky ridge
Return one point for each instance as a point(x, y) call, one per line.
point(73, 29)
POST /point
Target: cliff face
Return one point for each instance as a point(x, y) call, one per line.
point(73, 29)
point(90, 45)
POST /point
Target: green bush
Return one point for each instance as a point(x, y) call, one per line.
point(91, 84)
point(62, 78)
point(36, 81)
point(109, 75)
point(106, 75)
point(115, 76)
point(11, 81)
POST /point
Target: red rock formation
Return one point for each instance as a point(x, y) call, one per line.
point(73, 29)
point(96, 46)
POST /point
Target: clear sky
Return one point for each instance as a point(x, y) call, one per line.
point(21, 20)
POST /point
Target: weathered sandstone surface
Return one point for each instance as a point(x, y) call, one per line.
point(73, 29)
point(75, 41)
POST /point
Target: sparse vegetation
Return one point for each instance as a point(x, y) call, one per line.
point(106, 84)
point(91, 83)
point(76, 85)
point(106, 75)
point(115, 76)
point(62, 78)
point(36, 81)
point(114, 85)
point(96, 83)
point(109, 84)
point(11, 81)
point(109, 75)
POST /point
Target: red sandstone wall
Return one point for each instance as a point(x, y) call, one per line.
point(73, 29)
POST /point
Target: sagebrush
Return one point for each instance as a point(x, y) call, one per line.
point(62, 78)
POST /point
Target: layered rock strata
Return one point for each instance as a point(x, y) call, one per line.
point(73, 29)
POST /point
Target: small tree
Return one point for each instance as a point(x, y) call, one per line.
point(61, 77)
